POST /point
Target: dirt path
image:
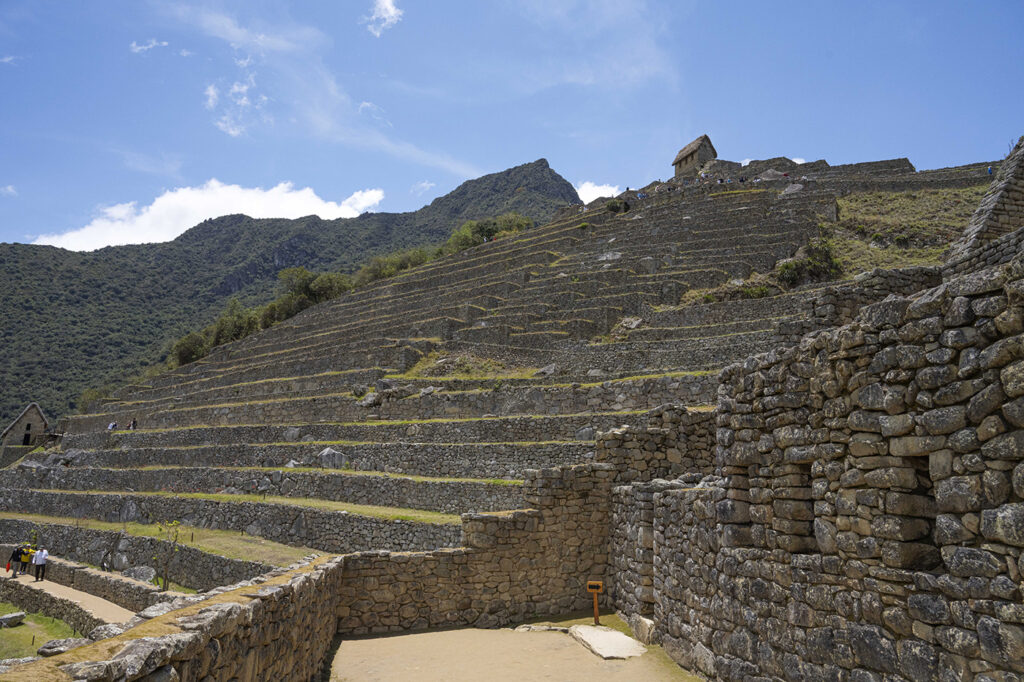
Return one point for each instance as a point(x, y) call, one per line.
point(101, 608)
point(471, 655)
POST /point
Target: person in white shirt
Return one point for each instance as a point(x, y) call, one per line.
point(39, 561)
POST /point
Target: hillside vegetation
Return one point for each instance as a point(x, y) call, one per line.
point(76, 320)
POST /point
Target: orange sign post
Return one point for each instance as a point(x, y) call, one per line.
point(595, 587)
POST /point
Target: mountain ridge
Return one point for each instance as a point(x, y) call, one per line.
point(80, 318)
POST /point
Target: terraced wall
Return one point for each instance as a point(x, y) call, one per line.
point(513, 567)
point(441, 496)
point(133, 595)
point(330, 531)
point(117, 551)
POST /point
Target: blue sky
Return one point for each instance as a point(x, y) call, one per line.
point(131, 120)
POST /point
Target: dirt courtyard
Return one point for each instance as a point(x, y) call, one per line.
point(493, 655)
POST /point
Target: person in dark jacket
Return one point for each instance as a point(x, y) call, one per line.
point(13, 562)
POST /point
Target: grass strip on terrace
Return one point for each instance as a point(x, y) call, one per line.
point(334, 472)
point(369, 510)
point(386, 422)
point(223, 543)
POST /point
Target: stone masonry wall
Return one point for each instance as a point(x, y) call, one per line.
point(988, 254)
point(442, 496)
point(1001, 210)
point(867, 516)
point(672, 442)
point(46, 604)
point(330, 531)
point(133, 595)
point(839, 305)
point(118, 551)
point(512, 567)
point(427, 403)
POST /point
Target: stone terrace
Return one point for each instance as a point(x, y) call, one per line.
point(316, 433)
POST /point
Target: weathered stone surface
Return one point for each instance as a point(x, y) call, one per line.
point(59, 646)
point(1004, 524)
point(9, 620)
point(606, 642)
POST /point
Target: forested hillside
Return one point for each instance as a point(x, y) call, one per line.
point(74, 320)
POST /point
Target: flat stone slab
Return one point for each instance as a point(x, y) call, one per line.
point(11, 619)
point(607, 643)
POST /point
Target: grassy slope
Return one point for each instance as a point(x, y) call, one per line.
point(222, 542)
point(899, 229)
point(25, 639)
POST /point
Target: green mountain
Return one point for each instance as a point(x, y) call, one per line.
point(74, 320)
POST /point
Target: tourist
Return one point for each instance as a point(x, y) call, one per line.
point(111, 426)
point(12, 563)
point(133, 424)
point(990, 170)
point(24, 558)
point(39, 561)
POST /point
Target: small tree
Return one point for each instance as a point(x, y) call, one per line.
point(168, 533)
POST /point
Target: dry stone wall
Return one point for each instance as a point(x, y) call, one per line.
point(330, 531)
point(1001, 210)
point(133, 595)
point(512, 567)
point(480, 460)
point(46, 604)
point(117, 551)
point(442, 496)
point(866, 518)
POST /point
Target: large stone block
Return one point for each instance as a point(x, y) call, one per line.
point(1004, 524)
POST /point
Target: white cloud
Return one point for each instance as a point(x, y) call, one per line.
point(9, 59)
point(212, 96)
point(153, 42)
point(229, 123)
point(385, 15)
point(177, 210)
point(186, 53)
point(8, 191)
point(420, 187)
point(797, 159)
point(375, 112)
point(217, 25)
point(745, 162)
point(589, 191)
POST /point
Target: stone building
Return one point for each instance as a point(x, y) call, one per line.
point(694, 155)
point(23, 434)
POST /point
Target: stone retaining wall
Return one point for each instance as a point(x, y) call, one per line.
point(673, 441)
point(46, 604)
point(1001, 210)
point(330, 531)
point(427, 403)
point(838, 305)
point(453, 497)
point(133, 595)
point(478, 460)
point(995, 252)
point(117, 551)
point(514, 567)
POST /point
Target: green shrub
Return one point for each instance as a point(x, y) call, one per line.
point(190, 348)
point(755, 292)
point(818, 265)
point(617, 206)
